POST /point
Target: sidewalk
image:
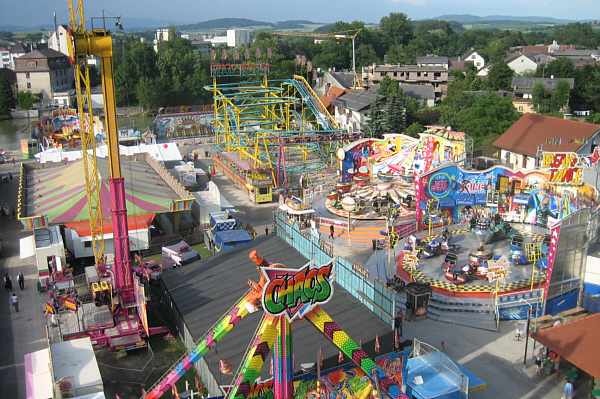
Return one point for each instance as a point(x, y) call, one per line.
point(22, 332)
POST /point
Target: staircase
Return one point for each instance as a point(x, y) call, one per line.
point(471, 312)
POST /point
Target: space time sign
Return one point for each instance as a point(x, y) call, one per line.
point(439, 185)
point(295, 292)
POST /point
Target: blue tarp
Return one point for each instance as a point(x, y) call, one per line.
point(564, 302)
point(228, 239)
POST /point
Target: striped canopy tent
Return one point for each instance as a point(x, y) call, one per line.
point(60, 194)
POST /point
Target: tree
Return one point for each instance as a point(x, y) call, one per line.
point(560, 96)
point(540, 98)
point(586, 95)
point(27, 99)
point(562, 67)
point(489, 117)
point(499, 77)
point(388, 86)
point(7, 99)
point(395, 117)
point(377, 118)
point(414, 129)
point(396, 29)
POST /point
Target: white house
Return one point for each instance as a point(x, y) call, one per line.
point(474, 57)
point(521, 63)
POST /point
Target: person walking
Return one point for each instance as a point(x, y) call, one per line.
point(398, 322)
point(568, 394)
point(14, 162)
point(15, 301)
point(7, 282)
point(331, 231)
point(21, 281)
point(267, 230)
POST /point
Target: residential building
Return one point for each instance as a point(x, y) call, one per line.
point(351, 110)
point(44, 71)
point(201, 46)
point(16, 51)
point(343, 80)
point(425, 95)
point(159, 36)
point(59, 40)
point(238, 37)
point(5, 58)
point(435, 76)
point(432, 60)
point(521, 63)
point(522, 144)
point(474, 57)
point(523, 87)
point(330, 96)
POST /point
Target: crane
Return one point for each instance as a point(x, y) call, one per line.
point(346, 34)
point(99, 43)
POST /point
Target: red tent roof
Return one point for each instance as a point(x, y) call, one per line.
point(575, 341)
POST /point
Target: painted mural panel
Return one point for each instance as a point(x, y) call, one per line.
point(457, 194)
point(343, 382)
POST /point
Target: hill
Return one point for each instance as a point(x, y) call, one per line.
point(474, 19)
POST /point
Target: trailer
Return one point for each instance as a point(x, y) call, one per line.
point(178, 255)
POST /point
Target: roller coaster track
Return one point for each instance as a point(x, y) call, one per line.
point(313, 102)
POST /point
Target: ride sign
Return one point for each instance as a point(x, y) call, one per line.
point(564, 167)
point(295, 292)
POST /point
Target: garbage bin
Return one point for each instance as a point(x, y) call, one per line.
point(548, 366)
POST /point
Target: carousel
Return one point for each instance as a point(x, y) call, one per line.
point(373, 198)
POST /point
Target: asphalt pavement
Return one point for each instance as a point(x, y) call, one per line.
point(22, 332)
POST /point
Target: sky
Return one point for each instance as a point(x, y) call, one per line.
point(31, 13)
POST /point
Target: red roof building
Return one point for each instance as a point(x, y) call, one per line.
point(532, 133)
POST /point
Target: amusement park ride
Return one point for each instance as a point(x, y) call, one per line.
point(266, 129)
point(117, 298)
point(286, 296)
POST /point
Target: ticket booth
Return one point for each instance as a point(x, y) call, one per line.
point(418, 295)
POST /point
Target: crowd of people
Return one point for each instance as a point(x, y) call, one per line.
point(395, 283)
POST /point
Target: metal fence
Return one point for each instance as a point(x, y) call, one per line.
point(352, 277)
point(591, 303)
point(132, 374)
